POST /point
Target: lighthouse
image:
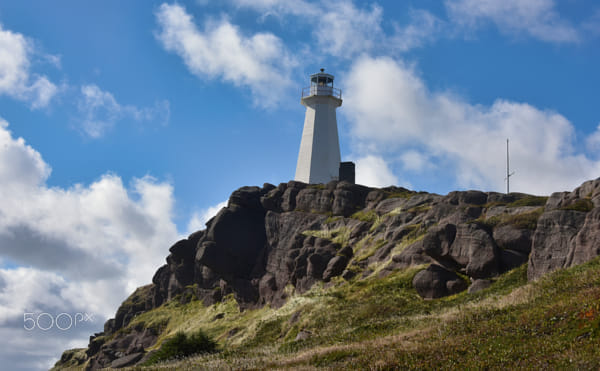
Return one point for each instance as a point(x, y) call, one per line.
point(319, 157)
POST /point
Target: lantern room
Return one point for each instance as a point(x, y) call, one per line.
point(321, 84)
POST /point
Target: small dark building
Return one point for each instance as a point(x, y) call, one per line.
point(347, 172)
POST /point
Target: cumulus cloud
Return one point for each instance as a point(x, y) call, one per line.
point(280, 8)
point(423, 27)
point(259, 62)
point(40, 297)
point(413, 160)
point(373, 171)
point(394, 112)
point(537, 18)
point(100, 111)
point(79, 249)
point(344, 30)
point(593, 141)
point(16, 79)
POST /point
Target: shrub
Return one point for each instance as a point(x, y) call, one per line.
point(183, 345)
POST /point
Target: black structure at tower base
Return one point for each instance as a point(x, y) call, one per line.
point(347, 172)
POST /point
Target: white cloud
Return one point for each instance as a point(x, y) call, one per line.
point(21, 167)
point(259, 62)
point(339, 27)
point(16, 79)
point(593, 141)
point(343, 30)
point(101, 111)
point(199, 219)
point(537, 18)
point(393, 111)
point(424, 27)
point(280, 8)
point(84, 248)
point(415, 161)
point(39, 297)
point(373, 171)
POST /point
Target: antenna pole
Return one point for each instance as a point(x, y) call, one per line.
point(508, 173)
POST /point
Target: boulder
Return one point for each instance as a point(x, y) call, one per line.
point(478, 285)
point(348, 274)
point(127, 360)
point(247, 198)
point(314, 200)
point(552, 240)
point(437, 243)
point(235, 254)
point(509, 237)
point(349, 198)
point(303, 335)
point(316, 265)
point(335, 267)
point(390, 204)
point(288, 199)
point(437, 281)
point(466, 198)
point(273, 198)
point(587, 242)
point(475, 250)
point(414, 254)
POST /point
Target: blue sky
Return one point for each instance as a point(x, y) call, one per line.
point(124, 125)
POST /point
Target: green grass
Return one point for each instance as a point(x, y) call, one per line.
point(381, 323)
point(368, 216)
point(553, 323)
point(558, 328)
point(332, 219)
point(400, 193)
point(73, 359)
point(529, 201)
point(369, 248)
point(339, 235)
point(584, 204)
point(526, 220)
point(348, 323)
point(419, 209)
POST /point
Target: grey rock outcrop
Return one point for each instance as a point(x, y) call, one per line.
point(568, 231)
point(273, 241)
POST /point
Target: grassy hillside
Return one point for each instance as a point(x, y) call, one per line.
point(382, 323)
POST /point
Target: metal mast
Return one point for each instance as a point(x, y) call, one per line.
point(508, 173)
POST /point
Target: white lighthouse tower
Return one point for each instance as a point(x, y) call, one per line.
point(319, 157)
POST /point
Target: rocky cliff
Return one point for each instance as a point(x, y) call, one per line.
point(271, 243)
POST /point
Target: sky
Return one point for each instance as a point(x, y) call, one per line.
point(125, 125)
